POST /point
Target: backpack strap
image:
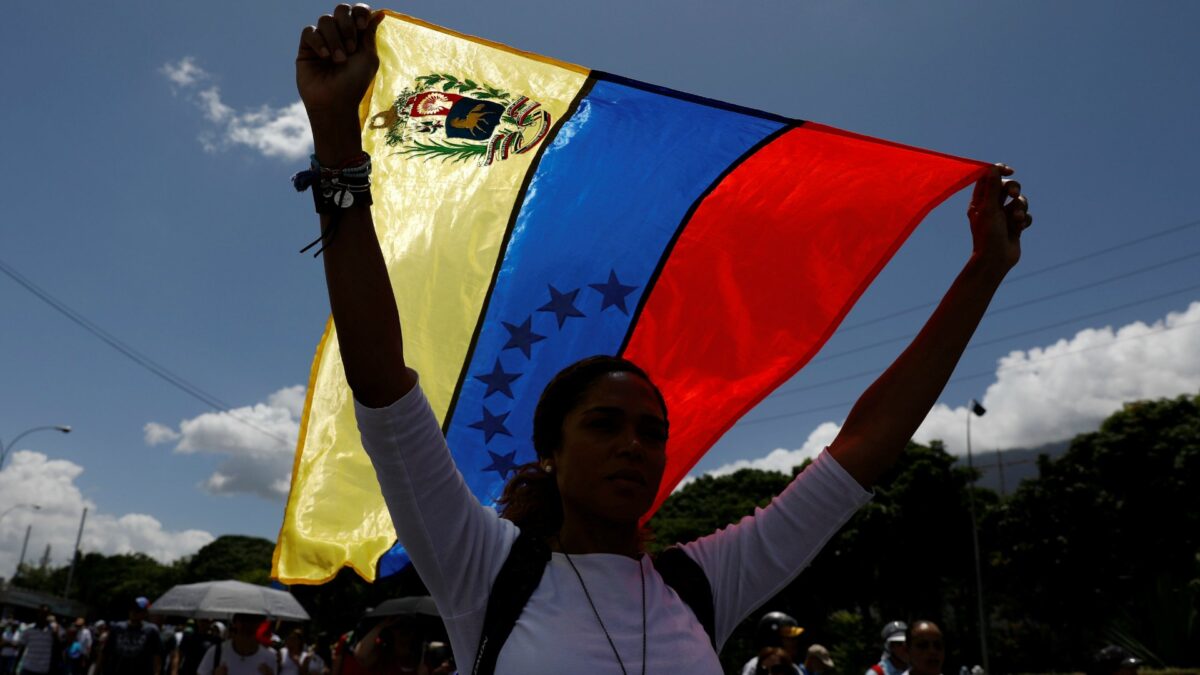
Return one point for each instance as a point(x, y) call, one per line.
point(520, 575)
point(688, 580)
point(522, 572)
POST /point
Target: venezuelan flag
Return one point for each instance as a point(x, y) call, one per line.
point(534, 212)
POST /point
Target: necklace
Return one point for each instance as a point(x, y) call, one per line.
point(587, 595)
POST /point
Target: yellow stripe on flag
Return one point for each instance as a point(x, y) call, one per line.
point(442, 200)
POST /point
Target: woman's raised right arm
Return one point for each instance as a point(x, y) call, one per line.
point(334, 66)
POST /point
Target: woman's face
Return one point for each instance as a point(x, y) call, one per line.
point(613, 450)
point(926, 652)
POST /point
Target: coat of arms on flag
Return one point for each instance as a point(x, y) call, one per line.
point(459, 120)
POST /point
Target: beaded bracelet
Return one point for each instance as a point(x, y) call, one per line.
point(335, 190)
point(338, 188)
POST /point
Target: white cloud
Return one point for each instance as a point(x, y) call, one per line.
point(214, 110)
point(1051, 393)
point(185, 73)
point(1048, 394)
point(157, 434)
point(779, 459)
point(281, 132)
point(256, 443)
point(32, 478)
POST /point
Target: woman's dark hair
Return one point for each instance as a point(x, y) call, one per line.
point(531, 498)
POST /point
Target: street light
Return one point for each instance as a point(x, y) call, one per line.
point(4, 449)
point(35, 507)
point(973, 409)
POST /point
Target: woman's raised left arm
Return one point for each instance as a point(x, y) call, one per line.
point(885, 417)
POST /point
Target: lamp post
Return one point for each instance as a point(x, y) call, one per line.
point(973, 409)
point(4, 449)
point(35, 507)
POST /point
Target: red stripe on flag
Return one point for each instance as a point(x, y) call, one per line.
point(768, 266)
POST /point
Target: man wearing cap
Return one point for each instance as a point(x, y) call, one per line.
point(776, 629)
point(894, 660)
point(817, 661)
point(133, 647)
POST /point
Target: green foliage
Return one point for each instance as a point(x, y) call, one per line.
point(711, 503)
point(1103, 546)
point(233, 557)
point(1106, 541)
point(907, 553)
point(106, 583)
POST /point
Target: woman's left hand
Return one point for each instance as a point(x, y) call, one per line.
point(998, 214)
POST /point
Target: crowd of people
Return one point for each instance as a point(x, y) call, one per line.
point(149, 644)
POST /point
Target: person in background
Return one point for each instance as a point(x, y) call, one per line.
point(393, 645)
point(817, 661)
point(776, 629)
point(197, 638)
point(242, 653)
point(895, 654)
point(73, 662)
point(292, 653)
point(9, 648)
point(773, 661)
point(926, 649)
point(318, 659)
point(84, 636)
point(99, 640)
point(133, 647)
point(39, 643)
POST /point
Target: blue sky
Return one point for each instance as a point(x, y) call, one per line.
point(159, 208)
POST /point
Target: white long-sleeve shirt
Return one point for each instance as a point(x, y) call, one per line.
point(458, 547)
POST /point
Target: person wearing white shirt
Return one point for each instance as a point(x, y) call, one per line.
point(241, 654)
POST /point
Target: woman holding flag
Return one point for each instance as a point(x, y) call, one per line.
point(600, 433)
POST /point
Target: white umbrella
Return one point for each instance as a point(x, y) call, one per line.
point(223, 599)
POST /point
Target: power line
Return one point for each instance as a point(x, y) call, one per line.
point(129, 352)
point(973, 345)
point(1094, 284)
point(1032, 273)
point(998, 310)
point(797, 413)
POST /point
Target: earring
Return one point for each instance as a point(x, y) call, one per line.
point(548, 468)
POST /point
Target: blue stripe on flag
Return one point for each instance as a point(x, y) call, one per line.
point(605, 201)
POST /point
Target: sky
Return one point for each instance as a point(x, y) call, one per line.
point(164, 135)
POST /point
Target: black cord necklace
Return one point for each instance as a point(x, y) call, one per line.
point(586, 594)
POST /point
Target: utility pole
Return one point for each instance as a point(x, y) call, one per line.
point(1000, 468)
point(973, 408)
point(75, 555)
point(24, 546)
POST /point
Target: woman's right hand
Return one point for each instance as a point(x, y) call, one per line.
point(336, 63)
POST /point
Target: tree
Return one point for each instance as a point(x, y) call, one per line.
point(1103, 546)
point(906, 554)
point(233, 557)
